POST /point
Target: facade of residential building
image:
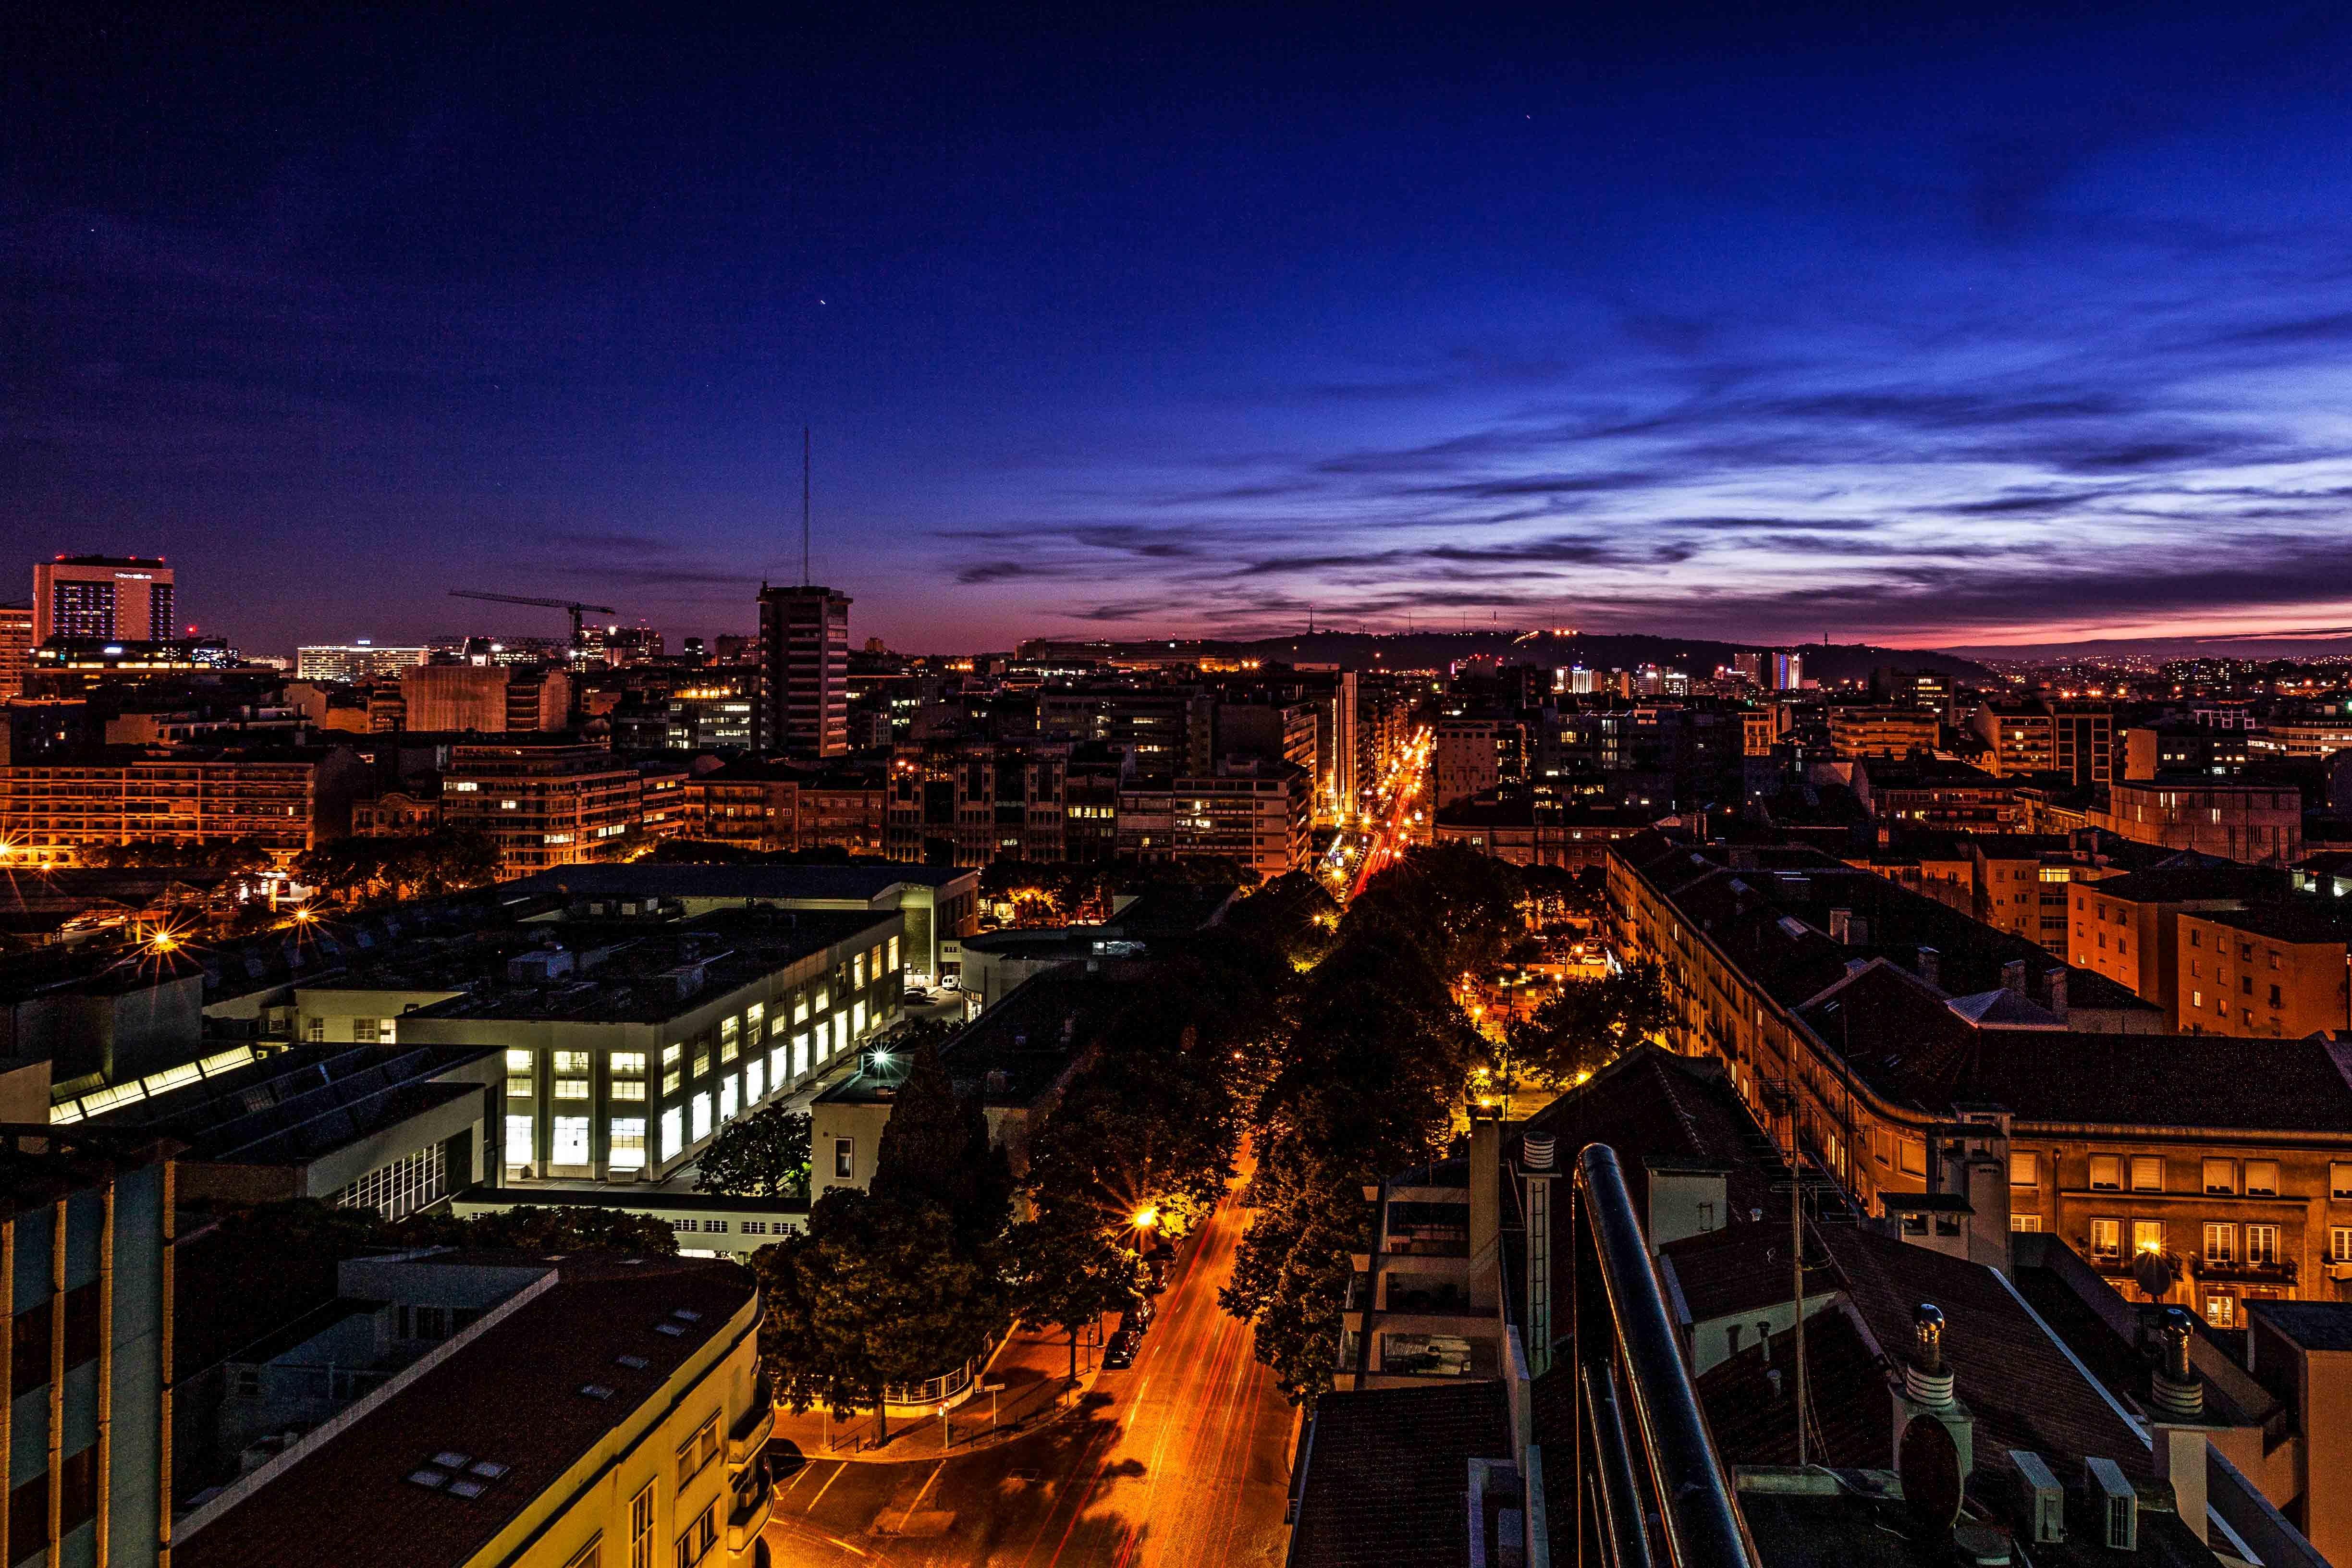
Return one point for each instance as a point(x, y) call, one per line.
point(2128, 928)
point(354, 661)
point(2072, 739)
point(89, 1223)
point(286, 802)
point(541, 806)
point(803, 704)
point(1467, 757)
point(609, 1411)
point(103, 598)
point(2259, 824)
point(1258, 816)
point(15, 648)
point(2269, 969)
point(1987, 1112)
point(1882, 731)
point(485, 699)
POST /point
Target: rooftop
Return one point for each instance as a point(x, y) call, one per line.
point(2312, 1325)
point(623, 972)
point(509, 1396)
point(784, 884)
point(1387, 1479)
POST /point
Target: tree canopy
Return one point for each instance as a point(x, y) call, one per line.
point(762, 1155)
point(935, 1148)
point(876, 1292)
point(426, 865)
point(1589, 1024)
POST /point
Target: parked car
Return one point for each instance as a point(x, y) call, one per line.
point(1119, 1351)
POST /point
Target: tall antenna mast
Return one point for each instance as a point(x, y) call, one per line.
point(804, 506)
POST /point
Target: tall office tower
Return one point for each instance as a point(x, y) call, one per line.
point(803, 702)
point(15, 648)
point(114, 598)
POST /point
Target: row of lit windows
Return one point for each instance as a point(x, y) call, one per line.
point(2218, 1177)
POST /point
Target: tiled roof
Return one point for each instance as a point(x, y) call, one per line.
point(1388, 1480)
point(510, 1396)
point(1754, 1422)
point(2013, 1377)
point(1743, 1268)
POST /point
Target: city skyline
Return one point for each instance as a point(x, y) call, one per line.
point(1696, 323)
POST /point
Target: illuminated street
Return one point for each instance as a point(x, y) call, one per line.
point(1183, 1459)
point(1394, 813)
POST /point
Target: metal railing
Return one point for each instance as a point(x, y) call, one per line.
point(1651, 1488)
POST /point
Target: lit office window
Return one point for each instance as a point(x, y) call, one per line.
point(570, 1141)
point(521, 1140)
point(894, 955)
point(673, 1132)
point(731, 1039)
point(755, 1081)
point(628, 1143)
point(701, 1116)
point(728, 1104)
point(858, 1020)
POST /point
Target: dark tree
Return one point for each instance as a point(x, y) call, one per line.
point(564, 1227)
point(873, 1294)
point(762, 1155)
point(1067, 1268)
point(935, 1149)
point(1590, 1024)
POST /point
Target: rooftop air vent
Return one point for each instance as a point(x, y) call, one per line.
point(2043, 1514)
point(633, 1362)
point(2115, 1503)
point(675, 1331)
point(688, 1314)
point(595, 1391)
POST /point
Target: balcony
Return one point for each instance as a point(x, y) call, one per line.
point(749, 1436)
point(2280, 1273)
point(749, 1516)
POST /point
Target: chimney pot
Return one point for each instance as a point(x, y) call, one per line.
point(1926, 1378)
point(2012, 977)
point(2056, 980)
point(1931, 967)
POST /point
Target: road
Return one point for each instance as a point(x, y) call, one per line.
point(1182, 1461)
point(1390, 839)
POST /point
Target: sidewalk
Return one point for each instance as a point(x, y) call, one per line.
point(1035, 1368)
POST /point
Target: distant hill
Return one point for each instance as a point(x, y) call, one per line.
point(2315, 648)
point(1436, 650)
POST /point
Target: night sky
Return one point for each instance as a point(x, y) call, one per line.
point(1990, 324)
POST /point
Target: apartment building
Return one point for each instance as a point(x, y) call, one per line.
point(2259, 824)
point(629, 1041)
point(606, 1411)
point(90, 1226)
point(15, 648)
point(1259, 816)
point(2299, 738)
point(1943, 796)
point(1473, 756)
point(2074, 740)
point(286, 801)
point(1760, 729)
point(2128, 928)
point(2264, 969)
point(1882, 731)
point(1949, 1104)
point(542, 806)
point(485, 699)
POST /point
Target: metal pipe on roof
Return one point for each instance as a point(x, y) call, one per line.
point(1699, 1524)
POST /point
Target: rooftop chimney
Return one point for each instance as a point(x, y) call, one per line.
point(1931, 967)
point(1840, 922)
point(2012, 977)
point(2177, 1393)
point(1926, 1378)
point(2056, 979)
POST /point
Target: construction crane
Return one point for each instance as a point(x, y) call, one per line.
point(573, 606)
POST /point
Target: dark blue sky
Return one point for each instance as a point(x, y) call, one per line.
point(1976, 324)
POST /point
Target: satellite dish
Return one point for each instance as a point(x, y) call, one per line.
point(1930, 1462)
point(2155, 1273)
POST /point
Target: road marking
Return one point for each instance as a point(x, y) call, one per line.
point(916, 1506)
point(798, 1476)
point(840, 1465)
point(853, 1551)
